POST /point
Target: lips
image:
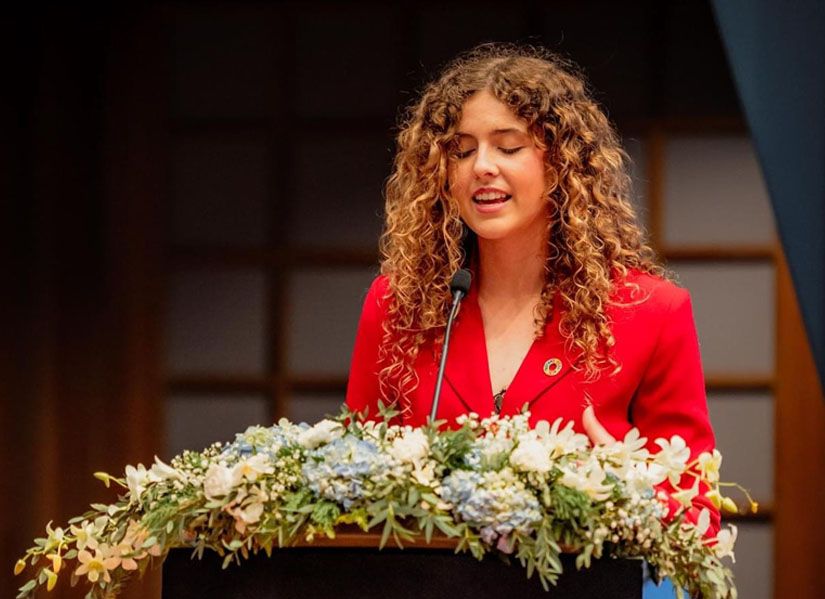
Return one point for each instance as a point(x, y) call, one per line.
point(489, 196)
point(485, 201)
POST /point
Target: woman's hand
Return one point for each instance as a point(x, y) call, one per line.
point(594, 429)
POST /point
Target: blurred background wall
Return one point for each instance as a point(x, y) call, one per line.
point(192, 201)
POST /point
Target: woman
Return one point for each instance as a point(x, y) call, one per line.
point(506, 165)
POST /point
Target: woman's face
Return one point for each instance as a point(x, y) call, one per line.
point(497, 172)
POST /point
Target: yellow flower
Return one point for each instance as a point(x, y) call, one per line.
point(715, 498)
point(84, 535)
point(729, 505)
point(57, 561)
point(51, 579)
point(709, 464)
point(95, 566)
point(19, 566)
point(685, 496)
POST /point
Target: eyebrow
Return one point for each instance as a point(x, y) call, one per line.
point(495, 132)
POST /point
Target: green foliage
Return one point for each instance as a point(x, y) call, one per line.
point(260, 493)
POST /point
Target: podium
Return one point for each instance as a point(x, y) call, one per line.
point(351, 565)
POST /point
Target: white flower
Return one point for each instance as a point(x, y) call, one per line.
point(709, 464)
point(589, 479)
point(642, 476)
point(161, 471)
point(560, 442)
point(136, 479)
point(673, 456)
point(411, 448)
point(251, 513)
point(493, 448)
point(220, 480)
point(685, 496)
point(251, 468)
point(632, 447)
point(531, 456)
point(424, 475)
point(323, 432)
point(725, 540)
point(703, 521)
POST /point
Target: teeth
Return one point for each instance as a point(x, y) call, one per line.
point(486, 197)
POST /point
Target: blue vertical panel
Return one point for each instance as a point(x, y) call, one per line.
point(777, 55)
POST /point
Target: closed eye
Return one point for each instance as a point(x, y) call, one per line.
point(467, 153)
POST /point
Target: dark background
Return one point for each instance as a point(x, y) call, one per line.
point(100, 105)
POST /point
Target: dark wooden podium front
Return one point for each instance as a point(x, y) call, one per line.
point(352, 566)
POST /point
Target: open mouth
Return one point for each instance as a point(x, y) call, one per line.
point(491, 199)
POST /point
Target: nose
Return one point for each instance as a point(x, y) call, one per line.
point(485, 164)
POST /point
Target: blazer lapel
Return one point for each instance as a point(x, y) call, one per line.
point(546, 364)
point(467, 374)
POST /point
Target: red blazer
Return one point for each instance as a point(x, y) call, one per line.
point(660, 388)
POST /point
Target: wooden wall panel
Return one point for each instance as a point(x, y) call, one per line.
point(800, 455)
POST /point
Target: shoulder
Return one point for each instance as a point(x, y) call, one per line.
point(380, 288)
point(648, 294)
point(377, 296)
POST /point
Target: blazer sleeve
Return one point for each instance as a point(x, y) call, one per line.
point(671, 398)
point(362, 385)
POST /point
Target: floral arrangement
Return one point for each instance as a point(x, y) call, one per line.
point(494, 484)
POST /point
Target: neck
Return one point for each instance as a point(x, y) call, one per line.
point(511, 268)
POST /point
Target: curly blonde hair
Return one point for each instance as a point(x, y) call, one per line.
point(593, 237)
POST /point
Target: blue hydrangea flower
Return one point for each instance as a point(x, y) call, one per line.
point(496, 502)
point(261, 439)
point(343, 470)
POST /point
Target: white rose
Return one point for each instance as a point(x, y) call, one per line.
point(531, 456)
point(251, 513)
point(219, 481)
point(323, 432)
point(412, 447)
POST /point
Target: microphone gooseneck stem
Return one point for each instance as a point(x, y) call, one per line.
point(456, 302)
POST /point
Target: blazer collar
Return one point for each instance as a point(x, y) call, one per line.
point(468, 373)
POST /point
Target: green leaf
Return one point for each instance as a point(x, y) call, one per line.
point(151, 541)
point(227, 560)
point(377, 519)
point(385, 534)
point(428, 530)
point(27, 587)
point(445, 526)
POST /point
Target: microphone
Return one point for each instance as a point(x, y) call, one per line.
point(459, 286)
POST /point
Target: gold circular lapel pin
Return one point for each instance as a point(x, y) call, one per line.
point(552, 367)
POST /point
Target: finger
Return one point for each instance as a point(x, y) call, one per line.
point(594, 429)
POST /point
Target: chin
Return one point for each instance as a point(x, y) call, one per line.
point(491, 231)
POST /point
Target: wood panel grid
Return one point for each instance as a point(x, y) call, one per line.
point(657, 134)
